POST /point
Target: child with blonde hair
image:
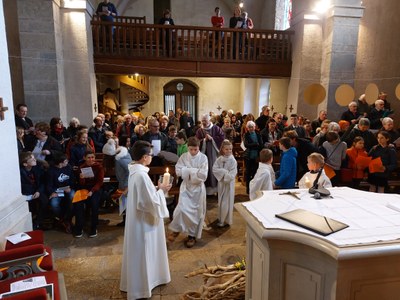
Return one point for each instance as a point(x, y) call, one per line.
point(315, 162)
point(265, 175)
point(225, 170)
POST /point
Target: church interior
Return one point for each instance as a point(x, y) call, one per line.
point(59, 60)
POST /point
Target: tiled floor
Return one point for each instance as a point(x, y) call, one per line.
point(91, 266)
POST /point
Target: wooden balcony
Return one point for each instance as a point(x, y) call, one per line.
point(127, 47)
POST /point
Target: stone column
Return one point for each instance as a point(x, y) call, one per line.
point(324, 51)
point(78, 68)
point(57, 59)
point(340, 50)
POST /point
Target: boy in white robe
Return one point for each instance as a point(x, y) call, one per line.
point(145, 261)
point(265, 175)
point(315, 161)
point(225, 170)
point(189, 215)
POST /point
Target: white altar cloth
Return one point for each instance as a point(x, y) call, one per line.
point(371, 217)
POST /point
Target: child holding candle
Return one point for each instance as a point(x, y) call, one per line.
point(315, 161)
point(145, 259)
point(225, 170)
point(189, 215)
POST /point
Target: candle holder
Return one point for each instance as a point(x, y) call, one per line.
point(171, 180)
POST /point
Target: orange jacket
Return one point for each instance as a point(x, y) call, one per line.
point(352, 154)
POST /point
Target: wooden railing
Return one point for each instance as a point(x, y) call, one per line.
point(149, 41)
point(124, 19)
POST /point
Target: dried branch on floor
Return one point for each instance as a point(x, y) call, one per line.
point(220, 282)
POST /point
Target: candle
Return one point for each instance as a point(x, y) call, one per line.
point(307, 182)
point(166, 177)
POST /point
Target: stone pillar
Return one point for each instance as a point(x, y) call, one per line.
point(77, 49)
point(57, 59)
point(14, 212)
point(324, 51)
point(340, 50)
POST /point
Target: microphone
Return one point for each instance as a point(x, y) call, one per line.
point(317, 191)
point(320, 192)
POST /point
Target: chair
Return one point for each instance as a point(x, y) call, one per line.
point(46, 263)
point(51, 278)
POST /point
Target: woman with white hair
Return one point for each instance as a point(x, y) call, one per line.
point(388, 126)
point(253, 142)
point(73, 127)
point(211, 137)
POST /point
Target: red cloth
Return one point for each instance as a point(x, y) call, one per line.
point(51, 277)
point(36, 238)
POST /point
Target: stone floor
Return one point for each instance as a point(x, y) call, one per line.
point(91, 266)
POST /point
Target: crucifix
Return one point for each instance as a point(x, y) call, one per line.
point(291, 108)
point(95, 107)
point(272, 108)
point(219, 108)
point(2, 109)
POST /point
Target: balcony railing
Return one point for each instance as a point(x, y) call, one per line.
point(189, 43)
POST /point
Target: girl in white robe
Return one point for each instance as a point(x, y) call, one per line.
point(145, 261)
point(189, 215)
point(225, 170)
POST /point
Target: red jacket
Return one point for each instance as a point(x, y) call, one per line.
point(95, 183)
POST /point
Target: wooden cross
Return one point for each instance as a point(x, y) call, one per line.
point(291, 108)
point(272, 108)
point(95, 107)
point(219, 108)
point(2, 109)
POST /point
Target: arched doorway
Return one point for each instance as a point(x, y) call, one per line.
point(182, 94)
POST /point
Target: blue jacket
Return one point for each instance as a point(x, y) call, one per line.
point(287, 171)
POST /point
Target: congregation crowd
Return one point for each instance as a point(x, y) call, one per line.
point(52, 156)
point(61, 177)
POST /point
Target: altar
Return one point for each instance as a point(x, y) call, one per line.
point(286, 261)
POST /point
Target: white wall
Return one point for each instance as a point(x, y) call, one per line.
point(14, 214)
point(228, 93)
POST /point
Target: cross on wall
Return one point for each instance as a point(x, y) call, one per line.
point(291, 108)
point(2, 109)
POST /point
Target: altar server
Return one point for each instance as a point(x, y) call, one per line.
point(145, 260)
point(189, 215)
point(225, 170)
point(265, 176)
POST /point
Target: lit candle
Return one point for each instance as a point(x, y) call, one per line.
point(166, 177)
point(307, 182)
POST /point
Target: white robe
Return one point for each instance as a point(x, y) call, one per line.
point(225, 170)
point(145, 260)
point(323, 180)
point(262, 181)
point(191, 210)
